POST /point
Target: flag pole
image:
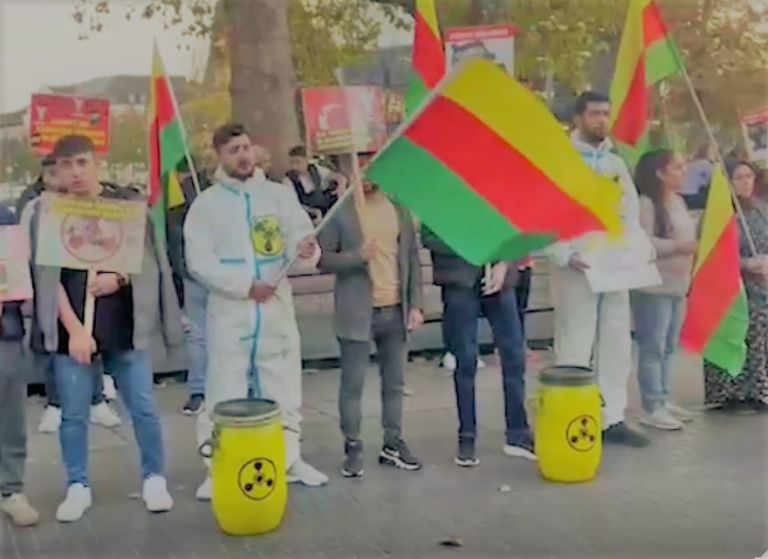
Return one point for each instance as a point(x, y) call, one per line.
point(719, 157)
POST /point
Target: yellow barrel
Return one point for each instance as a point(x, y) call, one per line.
point(568, 430)
point(248, 467)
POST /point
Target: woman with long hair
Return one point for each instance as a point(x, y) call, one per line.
point(658, 311)
point(748, 391)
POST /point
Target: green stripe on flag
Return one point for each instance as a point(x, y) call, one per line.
point(448, 206)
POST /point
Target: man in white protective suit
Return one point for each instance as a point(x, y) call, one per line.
point(589, 327)
point(239, 235)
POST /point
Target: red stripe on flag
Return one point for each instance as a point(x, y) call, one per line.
point(498, 172)
point(632, 120)
point(653, 25)
point(713, 291)
point(428, 54)
point(165, 108)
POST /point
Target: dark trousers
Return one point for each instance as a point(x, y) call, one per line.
point(388, 333)
point(522, 294)
point(462, 306)
point(52, 393)
point(13, 433)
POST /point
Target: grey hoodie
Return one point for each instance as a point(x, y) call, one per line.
point(607, 163)
point(155, 305)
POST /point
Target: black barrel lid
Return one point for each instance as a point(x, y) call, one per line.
point(565, 375)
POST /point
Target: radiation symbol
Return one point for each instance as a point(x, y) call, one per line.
point(582, 433)
point(258, 479)
point(267, 236)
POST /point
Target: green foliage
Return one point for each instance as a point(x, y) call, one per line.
point(128, 142)
point(17, 161)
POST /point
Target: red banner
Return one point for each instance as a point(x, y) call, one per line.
point(55, 116)
point(342, 119)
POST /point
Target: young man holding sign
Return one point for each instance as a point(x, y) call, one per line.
point(239, 235)
point(124, 315)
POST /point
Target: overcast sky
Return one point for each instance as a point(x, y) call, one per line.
point(39, 46)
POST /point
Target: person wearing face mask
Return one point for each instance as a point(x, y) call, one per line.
point(659, 310)
point(239, 235)
point(750, 389)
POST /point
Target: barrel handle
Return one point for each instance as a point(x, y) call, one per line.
point(206, 449)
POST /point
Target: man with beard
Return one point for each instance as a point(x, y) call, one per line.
point(239, 236)
point(589, 324)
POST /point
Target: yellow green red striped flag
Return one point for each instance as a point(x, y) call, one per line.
point(717, 315)
point(647, 56)
point(476, 161)
point(428, 57)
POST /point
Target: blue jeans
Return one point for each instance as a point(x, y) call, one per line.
point(132, 371)
point(462, 306)
point(195, 304)
point(658, 319)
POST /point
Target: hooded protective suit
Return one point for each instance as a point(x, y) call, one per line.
point(237, 233)
point(586, 323)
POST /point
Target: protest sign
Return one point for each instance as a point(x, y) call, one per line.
point(91, 233)
point(52, 117)
point(491, 42)
point(754, 126)
point(340, 120)
point(15, 279)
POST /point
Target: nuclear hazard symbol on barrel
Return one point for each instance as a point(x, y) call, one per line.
point(258, 478)
point(582, 433)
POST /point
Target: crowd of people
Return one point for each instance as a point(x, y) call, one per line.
point(219, 287)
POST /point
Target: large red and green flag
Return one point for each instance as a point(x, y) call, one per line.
point(717, 318)
point(647, 56)
point(487, 168)
point(428, 57)
point(167, 147)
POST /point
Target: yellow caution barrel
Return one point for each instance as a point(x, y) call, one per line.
point(568, 430)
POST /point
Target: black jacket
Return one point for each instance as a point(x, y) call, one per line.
point(318, 199)
point(175, 223)
point(11, 321)
point(451, 270)
point(30, 193)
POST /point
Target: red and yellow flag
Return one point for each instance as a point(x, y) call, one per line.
point(428, 55)
point(717, 317)
point(167, 147)
point(646, 57)
point(451, 166)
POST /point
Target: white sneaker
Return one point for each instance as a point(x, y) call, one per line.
point(661, 419)
point(449, 362)
point(110, 390)
point(74, 506)
point(301, 472)
point(102, 414)
point(20, 511)
point(205, 491)
point(50, 421)
point(679, 413)
point(155, 494)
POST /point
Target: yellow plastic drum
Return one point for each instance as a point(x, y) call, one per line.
point(568, 431)
point(248, 467)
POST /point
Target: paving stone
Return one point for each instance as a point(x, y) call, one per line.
point(699, 493)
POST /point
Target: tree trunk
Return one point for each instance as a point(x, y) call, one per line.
point(263, 79)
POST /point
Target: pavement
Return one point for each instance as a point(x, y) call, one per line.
point(700, 493)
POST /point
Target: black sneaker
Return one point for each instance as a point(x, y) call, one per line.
point(623, 435)
point(520, 446)
point(465, 457)
point(399, 456)
point(195, 405)
point(353, 463)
